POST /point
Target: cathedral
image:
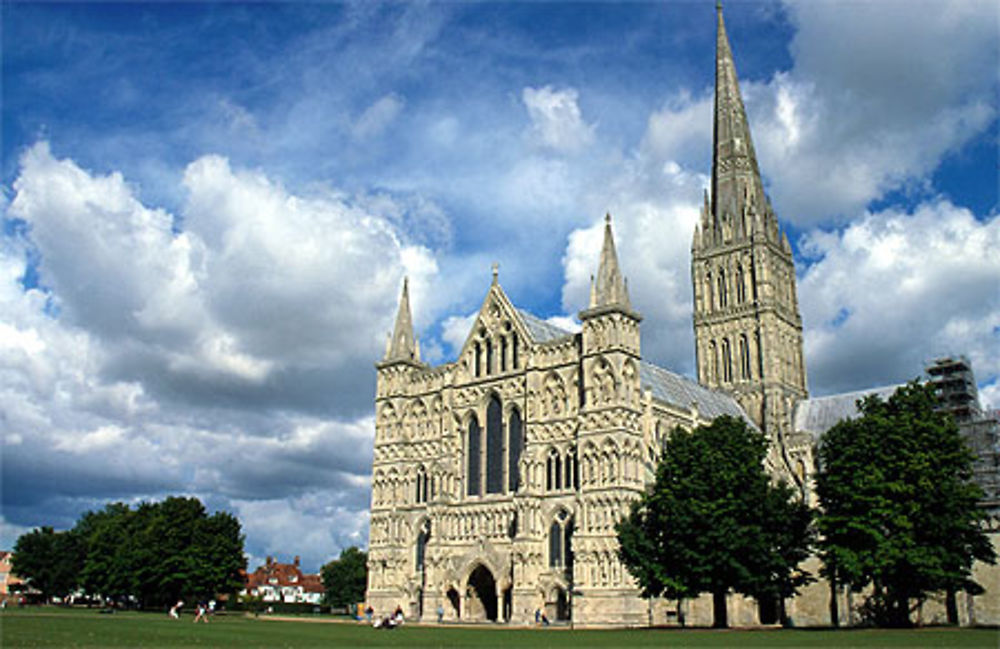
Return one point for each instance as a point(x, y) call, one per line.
point(498, 478)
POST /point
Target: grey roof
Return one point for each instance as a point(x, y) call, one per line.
point(816, 416)
point(681, 392)
point(541, 331)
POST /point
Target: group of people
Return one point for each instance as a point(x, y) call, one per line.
point(388, 622)
point(202, 611)
point(397, 619)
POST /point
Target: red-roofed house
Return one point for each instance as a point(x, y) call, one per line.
point(284, 582)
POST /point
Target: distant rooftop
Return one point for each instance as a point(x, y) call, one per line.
point(682, 392)
point(819, 414)
point(540, 330)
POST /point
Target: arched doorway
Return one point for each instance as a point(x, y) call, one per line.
point(768, 609)
point(453, 599)
point(482, 593)
point(562, 605)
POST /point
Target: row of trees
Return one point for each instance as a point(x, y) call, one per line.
point(152, 555)
point(897, 515)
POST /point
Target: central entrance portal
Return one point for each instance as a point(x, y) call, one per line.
point(482, 593)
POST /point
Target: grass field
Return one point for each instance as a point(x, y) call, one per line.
point(52, 627)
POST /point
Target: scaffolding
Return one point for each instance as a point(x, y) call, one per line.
point(955, 384)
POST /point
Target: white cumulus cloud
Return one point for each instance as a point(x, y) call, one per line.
point(556, 119)
point(896, 289)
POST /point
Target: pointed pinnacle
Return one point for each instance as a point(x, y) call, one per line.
point(610, 286)
point(403, 345)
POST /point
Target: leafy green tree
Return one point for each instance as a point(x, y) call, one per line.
point(899, 511)
point(713, 521)
point(109, 536)
point(161, 552)
point(345, 579)
point(50, 561)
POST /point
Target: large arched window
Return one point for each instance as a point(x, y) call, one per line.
point(473, 475)
point(561, 541)
point(494, 447)
point(515, 443)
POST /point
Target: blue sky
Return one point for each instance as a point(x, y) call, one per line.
point(209, 209)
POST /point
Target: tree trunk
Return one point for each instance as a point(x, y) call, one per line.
point(899, 611)
point(721, 620)
point(834, 604)
point(951, 604)
point(783, 618)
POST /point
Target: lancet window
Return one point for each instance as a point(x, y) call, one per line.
point(494, 447)
point(744, 358)
point(423, 537)
point(473, 447)
point(423, 486)
point(515, 442)
point(709, 292)
point(713, 359)
point(494, 453)
point(561, 541)
point(727, 361)
point(562, 471)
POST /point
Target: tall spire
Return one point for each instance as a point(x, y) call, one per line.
point(403, 345)
point(736, 183)
point(609, 287)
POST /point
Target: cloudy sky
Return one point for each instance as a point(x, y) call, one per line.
point(208, 211)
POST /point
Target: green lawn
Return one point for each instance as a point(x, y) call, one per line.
point(51, 627)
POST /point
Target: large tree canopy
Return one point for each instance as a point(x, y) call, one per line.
point(345, 579)
point(50, 561)
point(713, 521)
point(153, 554)
point(899, 511)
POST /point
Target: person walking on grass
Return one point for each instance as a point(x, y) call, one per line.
point(202, 613)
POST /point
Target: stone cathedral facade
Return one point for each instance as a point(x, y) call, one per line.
point(498, 478)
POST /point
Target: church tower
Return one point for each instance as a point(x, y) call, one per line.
point(748, 331)
point(610, 439)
